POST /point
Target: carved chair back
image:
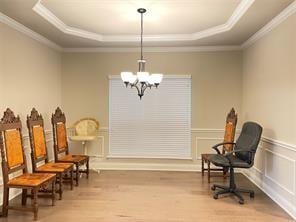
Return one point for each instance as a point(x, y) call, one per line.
point(11, 145)
point(58, 121)
point(231, 121)
point(35, 126)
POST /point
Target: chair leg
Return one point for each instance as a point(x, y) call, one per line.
point(24, 197)
point(60, 186)
point(77, 175)
point(53, 189)
point(209, 171)
point(202, 166)
point(241, 199)
point(232, 189)
point(5, 202)
point(35, 203)
point(251, 192)
point(219, 186)
point(87, 168)
point(72, 178)
point(220, 192)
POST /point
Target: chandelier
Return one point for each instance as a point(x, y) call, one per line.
point(142, 80)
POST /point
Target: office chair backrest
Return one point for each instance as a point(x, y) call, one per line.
point(248, 140)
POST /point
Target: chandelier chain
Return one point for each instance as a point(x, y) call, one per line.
point(141, 36)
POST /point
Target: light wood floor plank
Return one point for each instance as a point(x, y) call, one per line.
point(145, 196)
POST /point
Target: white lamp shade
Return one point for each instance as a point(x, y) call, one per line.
point(125, 76)
point(151, 80)
point(143, 76)
point(157, 78)
point(132, 79)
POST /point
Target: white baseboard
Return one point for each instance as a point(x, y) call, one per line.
point(258, 180)
point(146, 166)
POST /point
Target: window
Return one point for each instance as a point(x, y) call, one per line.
point(158, 126)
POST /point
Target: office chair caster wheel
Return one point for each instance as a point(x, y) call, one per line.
point(215, 196)
point(213, 187)
point(241, 202)
point(252, 195)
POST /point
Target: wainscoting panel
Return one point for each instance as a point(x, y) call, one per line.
point(275, 172)
point(280, 170)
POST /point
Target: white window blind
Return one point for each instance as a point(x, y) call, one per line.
point(158, 126)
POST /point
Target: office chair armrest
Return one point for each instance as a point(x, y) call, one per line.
point(220, 144)
point(227, 155)
point(238, 151)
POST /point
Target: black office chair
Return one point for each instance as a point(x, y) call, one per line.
point(242, 156)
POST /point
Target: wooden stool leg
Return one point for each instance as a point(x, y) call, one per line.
point(53, 189)
point(61, 185)
point(77, 174)
point(35, 203)
point(87, 168)
point(5, 202)
point(24, 197)
point(209, 171)
point(202, 166)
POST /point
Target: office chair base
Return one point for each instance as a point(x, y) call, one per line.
point(232, 189)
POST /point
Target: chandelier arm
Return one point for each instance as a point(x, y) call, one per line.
point(143, 88)
point(136, 86)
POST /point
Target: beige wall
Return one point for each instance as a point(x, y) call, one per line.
point(269, 82)
point(269, 97)
point(31, 75)
point(216, 82)
point(216, 87)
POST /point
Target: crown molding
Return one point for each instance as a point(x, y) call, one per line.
point(23, 29)
point(156, 49)
point(34, 35)
point(290, 10)
point(243, 6)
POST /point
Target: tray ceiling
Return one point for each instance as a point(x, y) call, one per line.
point(103, 23)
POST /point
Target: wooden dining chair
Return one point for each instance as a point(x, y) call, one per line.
point(61, 148)
point(14, 161)
point(229, 134)
point(39, 155)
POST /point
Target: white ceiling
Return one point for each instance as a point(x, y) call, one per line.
point(162, 17)
point(105, 23)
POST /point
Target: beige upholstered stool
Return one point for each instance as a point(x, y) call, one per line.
point(85, 131)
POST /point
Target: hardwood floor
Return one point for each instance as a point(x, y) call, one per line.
point(145, 196)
